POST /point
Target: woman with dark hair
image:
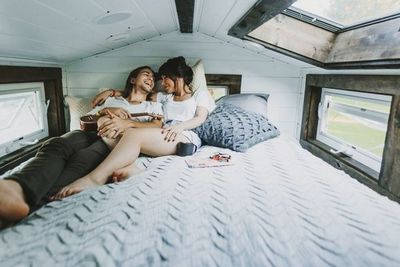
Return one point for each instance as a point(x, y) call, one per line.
point(183, 111)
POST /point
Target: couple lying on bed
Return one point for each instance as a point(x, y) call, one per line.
point(58, 167)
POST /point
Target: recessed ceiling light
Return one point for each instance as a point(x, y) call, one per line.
point(111, 18)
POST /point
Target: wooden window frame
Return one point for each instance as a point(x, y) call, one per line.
point(335, 51)
point(52, 80)
point(232, 81)
point(386, 182)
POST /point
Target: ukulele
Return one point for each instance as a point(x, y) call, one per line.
point(88, 123)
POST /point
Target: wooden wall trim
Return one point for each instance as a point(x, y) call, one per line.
point(261, 12)
point(52, 80)
point(383, 84)
point(310, 113)
point(372, 46)
point(286, 52)
point(15, 74)
point(232, 81)
point(185, 10)
point(296, 36)
point(388, 180)
point(375, 42)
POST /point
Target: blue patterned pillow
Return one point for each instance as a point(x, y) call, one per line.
point(232, 127)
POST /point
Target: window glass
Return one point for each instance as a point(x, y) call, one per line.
point(355, 123)
point(345, 12)
point(218, 91)
point(22, 116)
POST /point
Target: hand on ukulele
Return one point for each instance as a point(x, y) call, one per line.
point(111, 126)
point(119, 112)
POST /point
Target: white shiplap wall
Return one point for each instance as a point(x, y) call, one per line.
point(260, 73)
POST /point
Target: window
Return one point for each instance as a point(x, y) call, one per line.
point(23, 119)
point(220, 85)
point(345, 13)
point(354, 124)
point(218, 91)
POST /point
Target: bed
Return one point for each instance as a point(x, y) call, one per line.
point(277, 205)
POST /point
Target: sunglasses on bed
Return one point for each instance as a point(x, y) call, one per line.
point(221, 157)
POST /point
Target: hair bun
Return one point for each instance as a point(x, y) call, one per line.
point(181, 60)
point(177, 67)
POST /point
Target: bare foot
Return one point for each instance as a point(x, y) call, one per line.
point(76, 187)
point(12, 201)
point(125, 172)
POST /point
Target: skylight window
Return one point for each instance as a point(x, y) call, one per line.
point(345, 13)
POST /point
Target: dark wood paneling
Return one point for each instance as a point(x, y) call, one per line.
point(52, 80)
point(368, 64)
point(261, 12)
point(286, 52)
point(185, 10)
point(310, 112)
point(296, 36)
point(233, 82)
point(376, 42)
point(16, 74)
point(375, 46)
point(388, 180)
point(381, 84)
point(390, 171)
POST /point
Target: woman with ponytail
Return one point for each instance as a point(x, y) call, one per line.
point(183, 110)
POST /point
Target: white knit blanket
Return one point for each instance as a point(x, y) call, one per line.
point(277, 205)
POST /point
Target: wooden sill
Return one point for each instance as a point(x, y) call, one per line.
point(355, 169)
point(15, 158)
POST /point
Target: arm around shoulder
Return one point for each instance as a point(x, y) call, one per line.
point(100, 98)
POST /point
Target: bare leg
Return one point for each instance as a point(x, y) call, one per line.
point(125, 172)
point(12, 201)
point(111, 143)
point(149, 141)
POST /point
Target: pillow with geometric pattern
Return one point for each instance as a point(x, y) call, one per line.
point(232, 127)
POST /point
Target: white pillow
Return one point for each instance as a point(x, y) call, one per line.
point(199, 77)
point(78, 107)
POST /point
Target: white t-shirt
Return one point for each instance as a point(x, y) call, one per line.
point(178, 111)
point(120, 102)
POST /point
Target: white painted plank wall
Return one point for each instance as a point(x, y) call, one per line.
point(260, 73)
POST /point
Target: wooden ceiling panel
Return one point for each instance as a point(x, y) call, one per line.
point(218, 16)
point(185, 10)
point(68, 28)
point(162, 14)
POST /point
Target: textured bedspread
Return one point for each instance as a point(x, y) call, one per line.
point(276, 206)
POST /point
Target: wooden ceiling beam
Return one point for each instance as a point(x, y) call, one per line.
point(261, 12)
point(185, 10)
